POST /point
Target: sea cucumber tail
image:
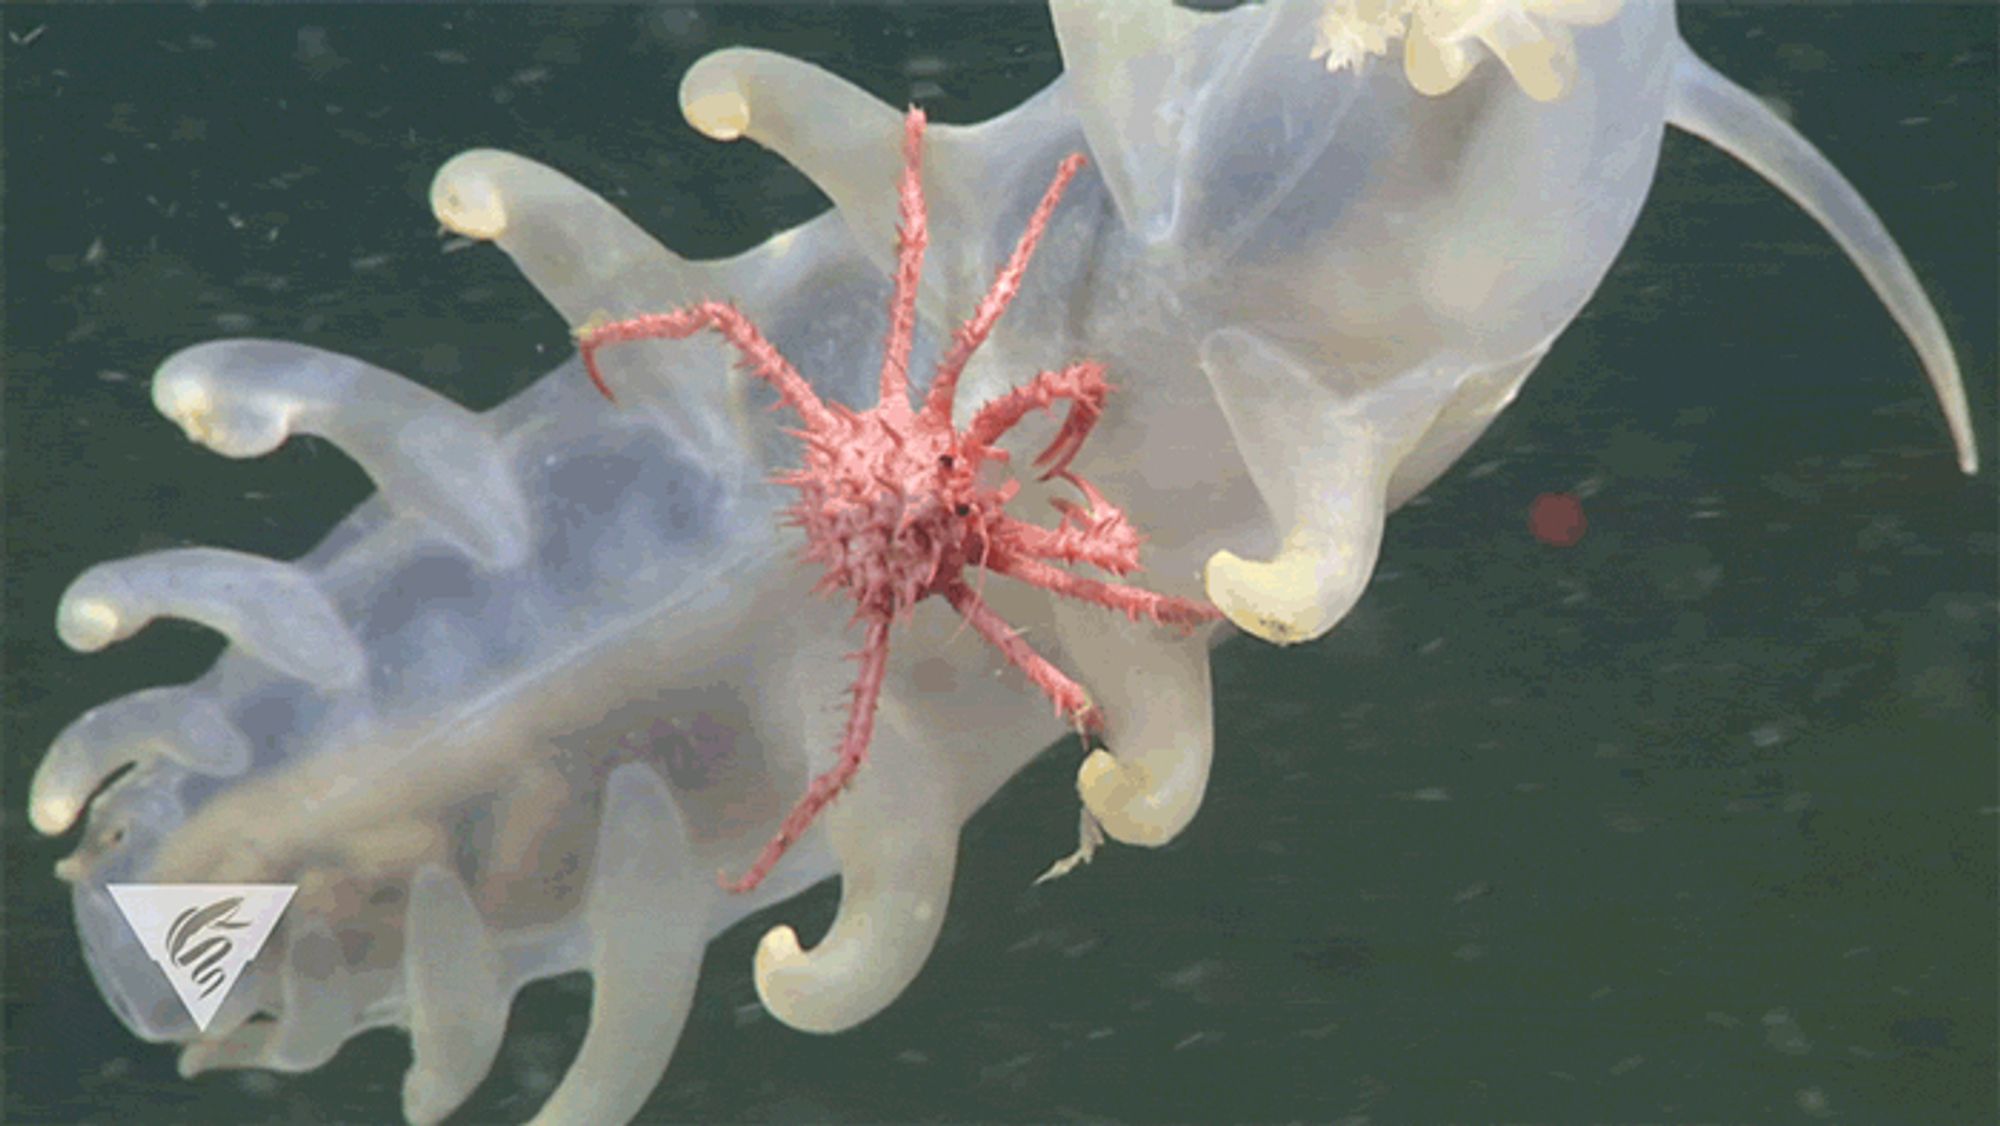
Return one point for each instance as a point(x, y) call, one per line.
point(1707, 104)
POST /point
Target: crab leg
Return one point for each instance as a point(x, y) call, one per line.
point(853, 752)
point(765, 361)
point(1134, 602)
point(1081, 382)
point(911, 238)
point(1068, 696)
point(1006, 283)
point(1099, 535)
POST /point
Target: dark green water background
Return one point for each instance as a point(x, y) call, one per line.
point(1692, 822)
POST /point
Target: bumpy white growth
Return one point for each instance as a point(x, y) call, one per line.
point(270, 610)
point(1443, 39)
point(427, 455)
point(1352, 31)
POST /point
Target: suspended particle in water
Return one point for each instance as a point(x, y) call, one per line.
point(1557, 519)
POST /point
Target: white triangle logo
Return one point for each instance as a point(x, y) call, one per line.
point(202, 935)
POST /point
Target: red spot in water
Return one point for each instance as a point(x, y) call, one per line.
point(1557, 519)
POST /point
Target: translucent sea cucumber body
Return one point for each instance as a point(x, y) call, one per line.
point(513, 714)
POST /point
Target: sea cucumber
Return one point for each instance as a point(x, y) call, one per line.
point(445, 575)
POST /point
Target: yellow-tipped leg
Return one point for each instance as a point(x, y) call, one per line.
point(1152, 688)
point(581, 253)
point(1297, 596)
point(429, 457)
point(1323, 459)
point(896, 834)
point(848, 142)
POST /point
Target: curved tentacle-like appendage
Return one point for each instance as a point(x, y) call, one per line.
point(646, 918)
point(428, 456)
point(271, 611)
point(848, 142)
point(168, 723)
point(591, 263)
point(896, 837)
point(1159, 725)
point(1709, 105)
point(1331, 504)
point(457, 992)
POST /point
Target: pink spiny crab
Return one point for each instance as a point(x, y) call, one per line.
point(891, 499)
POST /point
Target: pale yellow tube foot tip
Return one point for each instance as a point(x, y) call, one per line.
point(721, 115)
point(1275, 601)
point(52, 817)
point(187, 404)
point(778, 950)
point(778, 953)
point(1118, 799)
point(87, 625)
point(468, 203)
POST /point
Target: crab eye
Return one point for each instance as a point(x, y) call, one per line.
point(947, 461)
point(963, 509)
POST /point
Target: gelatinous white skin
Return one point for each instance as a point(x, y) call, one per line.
point(315, 999)
point(428, 456)
point(269, 610)
point(1133, 59)
point(648, 917)
point(153, 723)
point(1159, 723)
point(895, 834)
point(458, 996)
point(1316, 320)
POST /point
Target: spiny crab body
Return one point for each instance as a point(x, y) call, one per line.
point(893, 502)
